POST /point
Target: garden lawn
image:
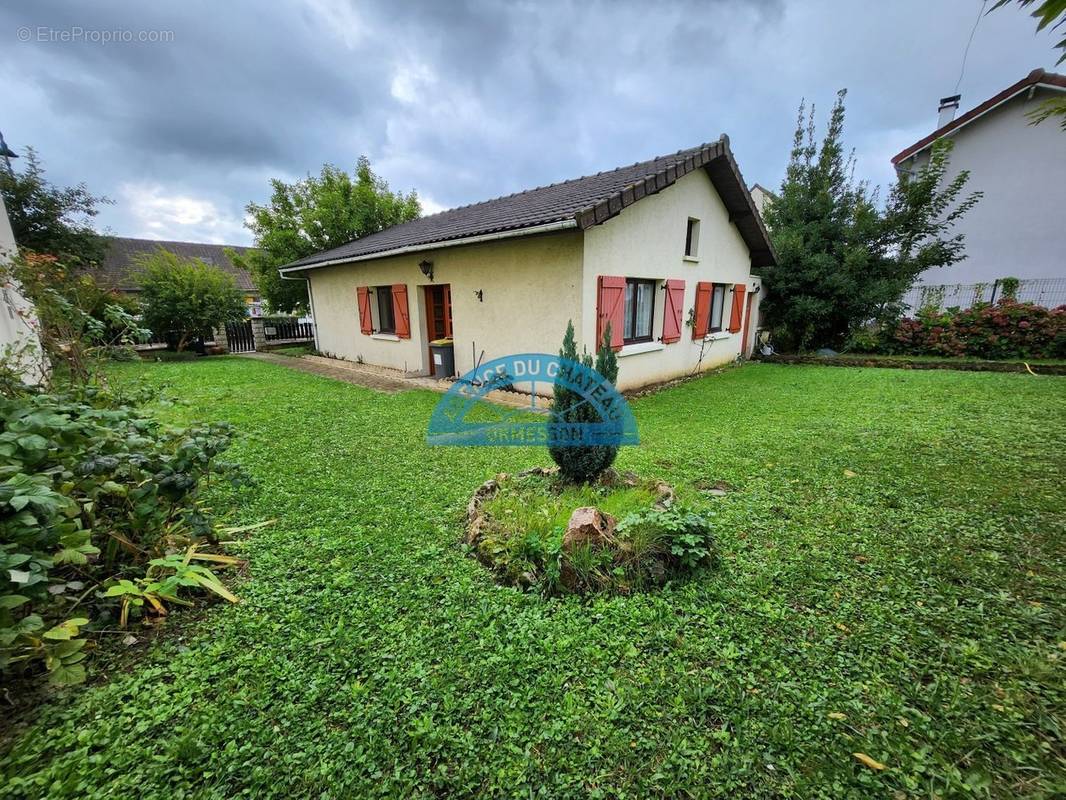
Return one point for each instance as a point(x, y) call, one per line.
point(891, 583)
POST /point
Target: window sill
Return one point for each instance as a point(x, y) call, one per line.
point(713, 337)
point(385, 337)
point(692, 259)
point(639, 347)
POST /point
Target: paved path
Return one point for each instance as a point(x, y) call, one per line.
point(375, 378)
point(368, 378)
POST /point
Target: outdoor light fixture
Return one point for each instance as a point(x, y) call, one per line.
point(480, 295)
point(427, 268)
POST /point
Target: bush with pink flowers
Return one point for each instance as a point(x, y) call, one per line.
point(1007, 329)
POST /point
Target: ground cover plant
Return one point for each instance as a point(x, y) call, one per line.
point(891, 585)
point(101, 522)
point(520, 534)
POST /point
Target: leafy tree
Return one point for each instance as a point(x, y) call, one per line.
point(314, 214)
point(186, 297)
point(49, 219)
point(75, 323)
point(582, 463)
point(842, 261)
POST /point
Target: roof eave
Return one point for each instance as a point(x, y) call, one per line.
point(512, 233)
point(1037, 78)
point(717, 160)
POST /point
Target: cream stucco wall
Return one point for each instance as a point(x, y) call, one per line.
point(17, 314)
point(647, 240)
point(530, 287)
point(1015, 230)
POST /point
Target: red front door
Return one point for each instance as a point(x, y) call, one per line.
point(438, 315)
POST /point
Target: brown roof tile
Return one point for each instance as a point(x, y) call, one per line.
point(587, 201)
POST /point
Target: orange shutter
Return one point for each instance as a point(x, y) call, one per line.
point(366, 321)
point(702, 323)
point(399, 310)
point(610, 308)
point(675, 300)
point(448, 311)
point(736, 315)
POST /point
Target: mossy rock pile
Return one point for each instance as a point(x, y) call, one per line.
point(619, 534)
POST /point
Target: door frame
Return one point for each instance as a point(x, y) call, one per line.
point(747, 326)
point(427, 298)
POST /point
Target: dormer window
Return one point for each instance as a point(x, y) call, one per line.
point(692, 238)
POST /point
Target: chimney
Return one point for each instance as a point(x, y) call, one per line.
point(948, 107)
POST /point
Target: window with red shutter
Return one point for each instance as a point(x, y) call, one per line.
point(736, 314)
point(610, 309)
point(366, 321)
point(400, 312)
point(702, 322)
point(675, 300)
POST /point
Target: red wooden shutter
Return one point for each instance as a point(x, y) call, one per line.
point(702, 323)
point(675, 299)
point(610, 308)
point(399, 310)
point(448, 311)
point(366, 322)
point(736, 315)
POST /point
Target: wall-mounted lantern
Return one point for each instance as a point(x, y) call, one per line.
point(427, 268)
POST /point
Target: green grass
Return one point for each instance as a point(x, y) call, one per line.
point(531, 505)
point(949, 359)
point(891, 583)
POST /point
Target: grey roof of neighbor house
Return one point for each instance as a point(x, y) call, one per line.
point(119, 266)
point(579, 203)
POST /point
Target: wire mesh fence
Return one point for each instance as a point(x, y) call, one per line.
point(1047, 292)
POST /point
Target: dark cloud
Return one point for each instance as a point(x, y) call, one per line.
point(466, 100)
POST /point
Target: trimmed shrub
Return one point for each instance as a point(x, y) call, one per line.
point(580, 464)
point(1008, 329)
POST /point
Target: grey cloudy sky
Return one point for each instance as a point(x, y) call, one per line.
point(464, 100)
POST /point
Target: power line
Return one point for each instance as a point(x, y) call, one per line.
point(966, 52)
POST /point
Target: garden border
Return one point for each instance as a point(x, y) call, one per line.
point(903, 362)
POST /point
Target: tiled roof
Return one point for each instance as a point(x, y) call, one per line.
point(1034, 78)
point(581, 202)
point(119, 266)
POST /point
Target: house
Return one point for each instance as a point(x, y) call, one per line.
point(1015, 229)
point(761, 195)
point(119, 267)
point(666, 251)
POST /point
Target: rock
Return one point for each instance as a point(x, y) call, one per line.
point(716, 489)
point(664, 495)
point(588, 527)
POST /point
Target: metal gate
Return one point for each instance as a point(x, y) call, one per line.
point(239, 337)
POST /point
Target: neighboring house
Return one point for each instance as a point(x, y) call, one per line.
point(17, 314)
point(666, 251)
point(760, 194)
point(1016, 229)
point(119, 267)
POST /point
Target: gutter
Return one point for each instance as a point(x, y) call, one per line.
point(418, 248)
